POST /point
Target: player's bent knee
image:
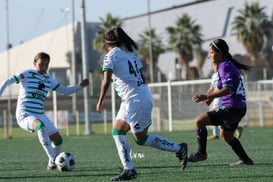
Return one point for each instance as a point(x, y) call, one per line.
point(59, 141)
point(118, 132)
point(142, 140)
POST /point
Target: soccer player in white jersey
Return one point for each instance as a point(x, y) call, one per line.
point(216, 103)
point(34, 87)
point(122, 66)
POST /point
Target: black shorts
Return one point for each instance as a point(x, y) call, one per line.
point(227, 118)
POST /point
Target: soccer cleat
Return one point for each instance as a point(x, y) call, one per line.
point(197, 157)
point(182, 155)
point(241, 163)
point(51, 165)
point(238, 132)
point(125, 175)
point(212, 137)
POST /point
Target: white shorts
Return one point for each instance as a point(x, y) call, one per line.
point(25, 120)
point(137, 112)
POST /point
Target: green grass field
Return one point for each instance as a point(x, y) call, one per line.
point(22, 159)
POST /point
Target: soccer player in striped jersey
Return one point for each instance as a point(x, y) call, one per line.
point(122, 66)
point(35, 84)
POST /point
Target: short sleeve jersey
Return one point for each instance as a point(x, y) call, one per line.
point(125, 67)
point(216, 101)
point(229, 76)
point(34, 88)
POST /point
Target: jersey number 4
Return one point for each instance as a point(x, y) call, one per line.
point(240, 89)
point(135, 71)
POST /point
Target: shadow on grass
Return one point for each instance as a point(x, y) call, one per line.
point(55, 177)
point(56, 174)
point(235, 178)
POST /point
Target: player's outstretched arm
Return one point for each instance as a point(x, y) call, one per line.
point(72, 89)
point(6, 83)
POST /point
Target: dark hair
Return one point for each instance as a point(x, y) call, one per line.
point(219, 45)
point(117, 37)
point(41, 55)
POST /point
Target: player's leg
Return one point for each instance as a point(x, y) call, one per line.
point(238, 132)
point(232, 118)
point(56, 142)
point(159, 142)
point(139, 112)
point(120, 128)
point(237, 148)
point(215, 133)
point(201, 121)
point(31, 123)
point(140, 120)
point(44, 139)
point(55, 137)
point(156, 141)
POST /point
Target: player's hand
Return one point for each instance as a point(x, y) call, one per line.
point(208, 101)
point(84, 83)
point(98, 108)
point(199, 98)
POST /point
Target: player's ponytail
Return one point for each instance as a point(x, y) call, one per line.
point(117, 37)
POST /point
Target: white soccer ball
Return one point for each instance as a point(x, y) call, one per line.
point(65, 161)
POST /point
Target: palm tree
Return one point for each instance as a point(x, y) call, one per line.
point(78, 58)
point(144, 50)
point(253, 28)
point(105, 25)
point(184, 38)
point(200, 57)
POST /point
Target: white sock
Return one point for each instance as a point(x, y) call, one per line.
point(123, 148)
point(215, 131)
point(161, 143)
point(57, 148)
point(45, 141)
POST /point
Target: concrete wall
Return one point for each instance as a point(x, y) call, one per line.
point(57, 44)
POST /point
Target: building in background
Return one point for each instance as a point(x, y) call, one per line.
point(58, 44)
point(214, 16)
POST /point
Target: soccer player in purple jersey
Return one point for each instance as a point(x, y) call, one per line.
point(231, 90)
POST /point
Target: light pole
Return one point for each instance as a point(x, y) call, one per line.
point(9, 115)
point(85, 67)
point(73, 56)
point(150, 44)
point(73, 59)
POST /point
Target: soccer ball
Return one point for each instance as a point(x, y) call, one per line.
point(65, 161)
